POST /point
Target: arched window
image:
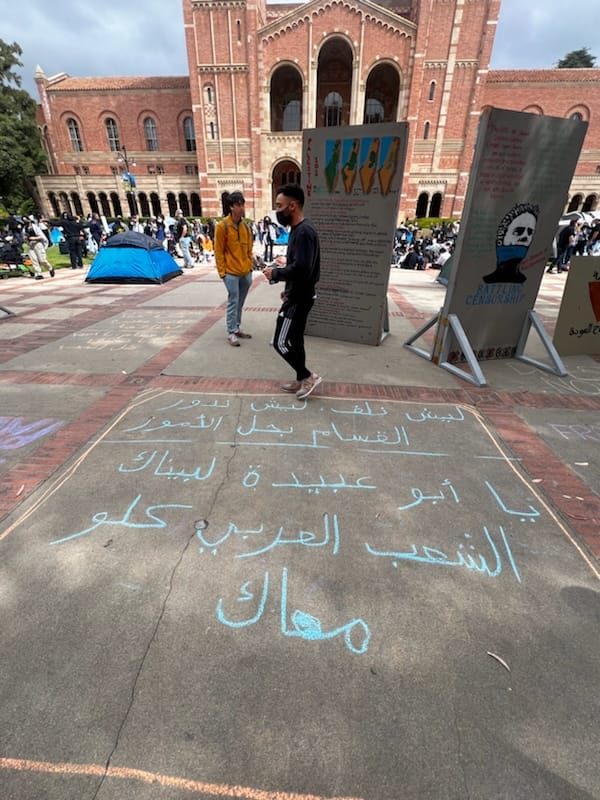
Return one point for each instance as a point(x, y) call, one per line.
point(189, 134)
point(435, 205)
point(333, 109)
point(74, 135)
point(431, 91)
point(374, 111)
point(210, 94)
point(112, 133)
point(426, 130)
point(212, 129)
point(576, 115)
point(422, 203)
point(291, 116)
point(239, 30)
point(151, 134)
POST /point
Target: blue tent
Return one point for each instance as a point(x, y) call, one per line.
point(132, 257)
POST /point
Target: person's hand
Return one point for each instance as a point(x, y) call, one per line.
point(280, 261)
point(268, 273)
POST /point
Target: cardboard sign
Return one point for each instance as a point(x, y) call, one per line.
point(577, 329)
point(519, 180)
point(352, 178)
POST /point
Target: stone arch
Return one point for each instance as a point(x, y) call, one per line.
point(435, 207)
point(382, 93)
point(534, 109)
point(334, 82)
point(286, 87)
point(579, 111)
point(287, 170)
point(590, 203)
point(575, 203)
point(422, 204)
point(93, 203)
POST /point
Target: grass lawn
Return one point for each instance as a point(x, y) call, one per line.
point(60, 261)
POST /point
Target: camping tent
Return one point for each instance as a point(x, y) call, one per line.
point(132, 257)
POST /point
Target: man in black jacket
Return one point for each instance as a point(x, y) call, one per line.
point(300, 270)
point(73, 232)
point(564, 247)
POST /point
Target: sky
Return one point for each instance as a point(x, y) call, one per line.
point(117, 38)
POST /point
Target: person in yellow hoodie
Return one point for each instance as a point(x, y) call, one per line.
point(233, 256)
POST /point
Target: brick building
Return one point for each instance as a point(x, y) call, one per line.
point(260, 73)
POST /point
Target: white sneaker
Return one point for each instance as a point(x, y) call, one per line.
point(308, 385)
point(233, 340)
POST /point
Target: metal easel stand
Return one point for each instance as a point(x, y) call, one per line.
point(409, 343)
point(452, 322)
point(385, 327)
point(556, 367)
point(7, 312)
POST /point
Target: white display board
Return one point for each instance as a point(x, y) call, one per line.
point(352, 178)
point(519, 181)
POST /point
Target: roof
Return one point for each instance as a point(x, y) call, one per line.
point(543, 76)
point(68, 84)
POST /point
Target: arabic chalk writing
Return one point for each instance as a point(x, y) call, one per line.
point(161, 470)
point(188, 405)
point(313, 444)
point(299, 623)
point(426, 415)
point(102, 518)
point(363, 409)
point(420, 497)
point(306, 538)
point(530, 515)
point(276, 405)
point(269, 428)
point(316, 487)
point(398, 436)
point(204, 423)
point(432, 555)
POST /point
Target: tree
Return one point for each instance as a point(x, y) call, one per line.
point(21, 153)
point(577, 59)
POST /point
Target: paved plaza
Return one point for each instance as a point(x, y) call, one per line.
point(210, 589)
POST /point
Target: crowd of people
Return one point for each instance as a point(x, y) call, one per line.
point(429, 252)
point(575, 239)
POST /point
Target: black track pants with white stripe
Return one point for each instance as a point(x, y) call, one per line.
point(289, 336)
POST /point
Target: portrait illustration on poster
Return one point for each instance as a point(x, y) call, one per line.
point(514, 235)
point(520, 175)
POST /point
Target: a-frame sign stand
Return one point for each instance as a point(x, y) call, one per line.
point(451, 327)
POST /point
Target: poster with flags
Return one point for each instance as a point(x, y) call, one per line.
point(352, 178)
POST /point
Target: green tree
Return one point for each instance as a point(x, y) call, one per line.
point(577, 59)
point(21, 153)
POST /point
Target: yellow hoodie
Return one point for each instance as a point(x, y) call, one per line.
point(233, 248)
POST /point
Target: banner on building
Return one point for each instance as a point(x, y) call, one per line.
point(577, 329)
point(352, 178)
point(519, 182)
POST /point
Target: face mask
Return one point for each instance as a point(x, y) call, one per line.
point(283, 218)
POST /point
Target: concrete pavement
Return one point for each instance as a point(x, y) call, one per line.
point(210, 589)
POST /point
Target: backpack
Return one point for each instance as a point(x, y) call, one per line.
point(179, 228)
point(226, 226)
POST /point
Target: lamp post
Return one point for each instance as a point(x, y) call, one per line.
point(128, 177)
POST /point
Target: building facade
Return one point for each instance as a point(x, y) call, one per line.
point(259, 74)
